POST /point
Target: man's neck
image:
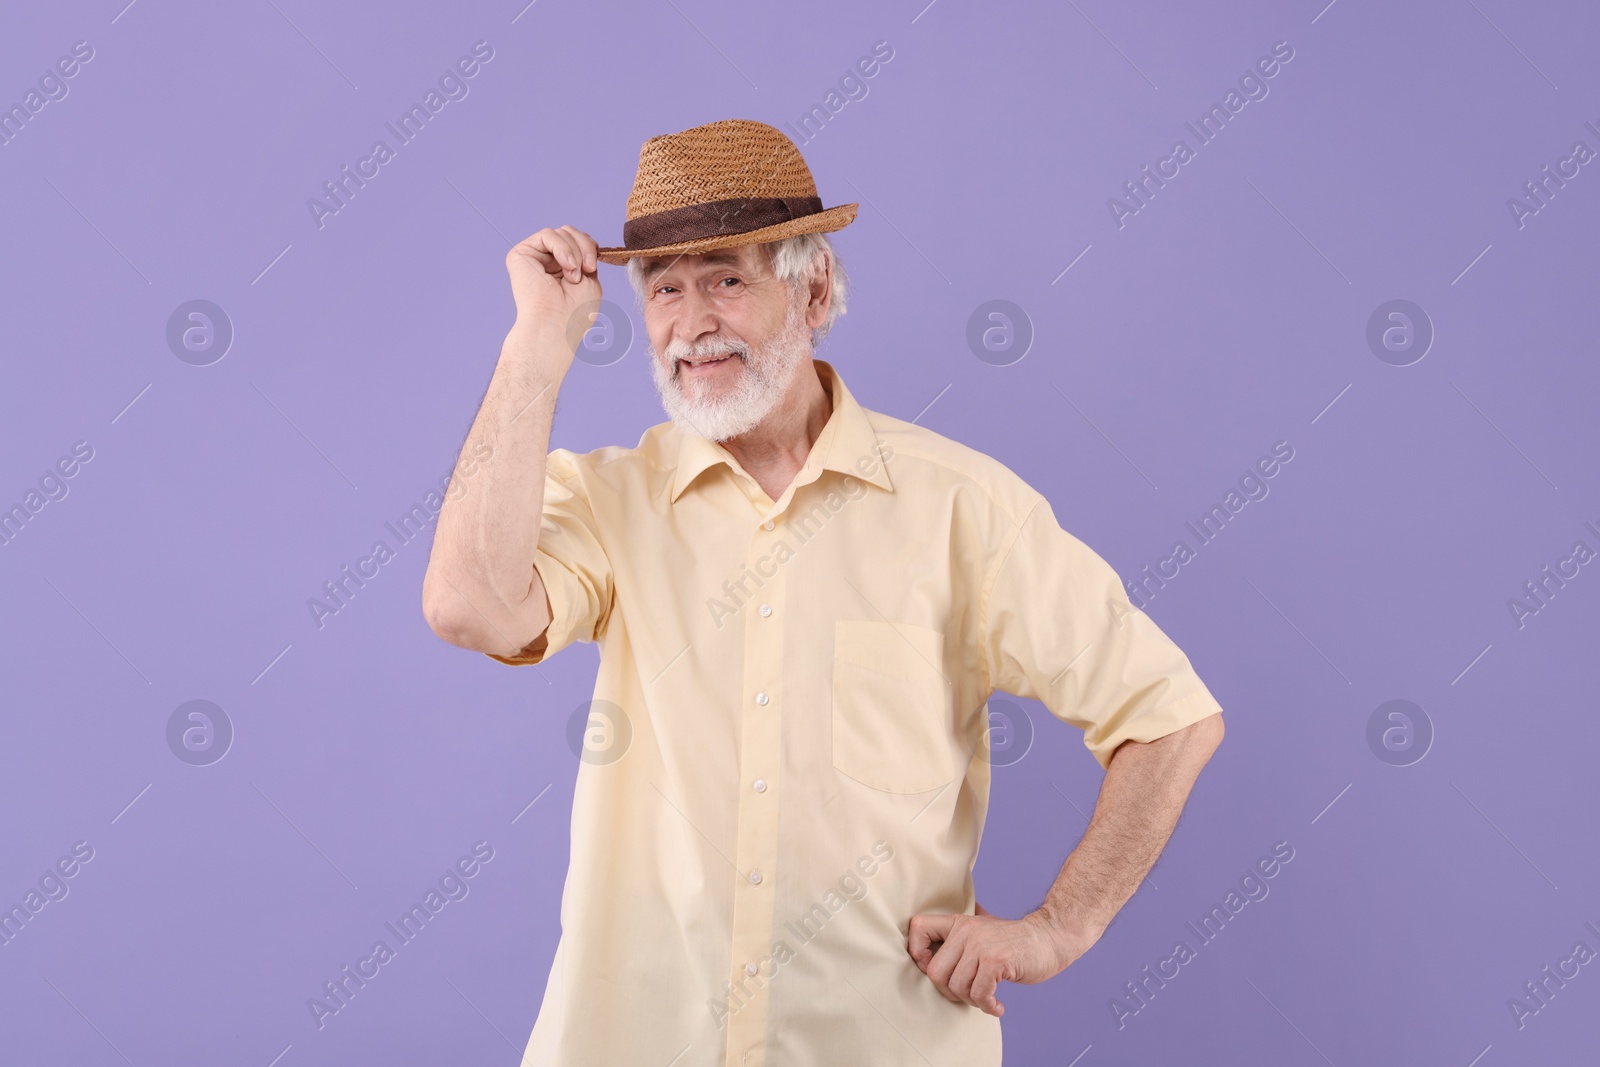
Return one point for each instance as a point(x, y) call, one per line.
point(774, 451)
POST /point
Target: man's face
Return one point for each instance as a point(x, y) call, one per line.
point(726, 338)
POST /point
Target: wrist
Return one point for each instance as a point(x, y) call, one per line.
point(540, 346)
point(538, 331)
point(1069, 935)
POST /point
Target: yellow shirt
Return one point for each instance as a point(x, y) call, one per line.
point(787, 756)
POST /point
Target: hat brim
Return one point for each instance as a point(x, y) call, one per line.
point(826, 221)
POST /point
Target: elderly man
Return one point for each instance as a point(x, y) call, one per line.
point(802, 608)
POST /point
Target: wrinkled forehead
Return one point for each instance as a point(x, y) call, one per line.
point(745, 257)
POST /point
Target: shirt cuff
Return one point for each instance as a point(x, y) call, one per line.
point(1151, 725)
point(555, 636)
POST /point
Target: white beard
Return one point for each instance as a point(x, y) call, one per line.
point(766, 375)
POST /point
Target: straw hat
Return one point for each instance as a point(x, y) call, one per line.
point(734, 182)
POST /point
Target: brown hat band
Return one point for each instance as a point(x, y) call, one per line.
point(739, 215)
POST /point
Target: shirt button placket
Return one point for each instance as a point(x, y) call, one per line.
point(760, 730)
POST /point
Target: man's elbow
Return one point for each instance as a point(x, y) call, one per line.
point(468, 629)
point(463, 633)
point(448, 621)
point(447, 625)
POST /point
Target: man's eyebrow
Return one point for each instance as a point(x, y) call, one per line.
point(721, 256)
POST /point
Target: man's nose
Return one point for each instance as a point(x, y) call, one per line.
point(698, 317)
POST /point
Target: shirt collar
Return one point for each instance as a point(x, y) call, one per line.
point(847, 443)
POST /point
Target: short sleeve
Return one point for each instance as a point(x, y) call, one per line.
point(571, 562)
point(1059, 628)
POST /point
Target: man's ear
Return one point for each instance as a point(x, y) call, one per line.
point(820, 295)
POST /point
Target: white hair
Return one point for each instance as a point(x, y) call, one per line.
point(795, 260)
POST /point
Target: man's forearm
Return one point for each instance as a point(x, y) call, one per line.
point(479, 574)
point(1146, 784)
point(1145, 788)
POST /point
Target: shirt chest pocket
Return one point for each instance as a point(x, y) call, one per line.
point(891, 706)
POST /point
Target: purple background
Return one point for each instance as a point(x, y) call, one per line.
point(1227, 315)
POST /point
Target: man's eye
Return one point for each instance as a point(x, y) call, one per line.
point(724, 281)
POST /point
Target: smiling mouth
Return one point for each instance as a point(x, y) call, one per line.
point(708, 361)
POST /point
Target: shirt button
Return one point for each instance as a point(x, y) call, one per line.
point(760, 785)
point(765, 609)
point(767, 525)
point(750, 968)
point(761, 697)
point(755, 877)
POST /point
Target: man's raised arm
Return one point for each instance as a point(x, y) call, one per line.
point(481, 590)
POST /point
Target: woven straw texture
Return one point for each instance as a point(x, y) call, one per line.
point(720, 161)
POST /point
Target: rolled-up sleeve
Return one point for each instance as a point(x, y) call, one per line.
point(571, 562)
point(1059, 628)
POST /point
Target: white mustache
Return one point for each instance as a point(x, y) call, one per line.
point(706, 347)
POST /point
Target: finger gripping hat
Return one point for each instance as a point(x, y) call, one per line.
point(727, 183)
